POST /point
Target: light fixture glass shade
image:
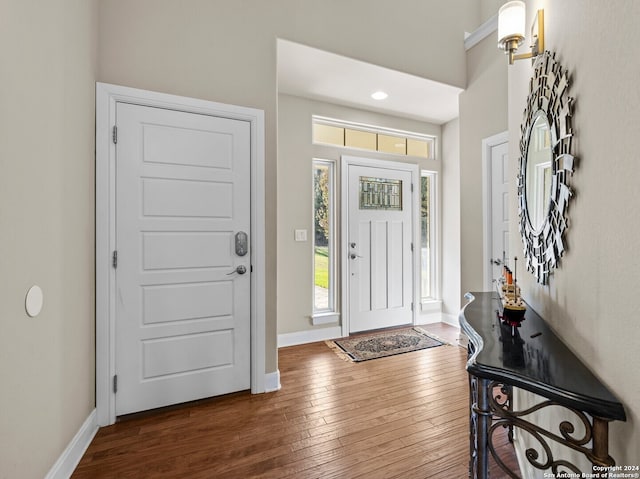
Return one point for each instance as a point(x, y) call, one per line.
point(511, 22)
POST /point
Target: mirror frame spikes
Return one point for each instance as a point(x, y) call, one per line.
point(549, 94)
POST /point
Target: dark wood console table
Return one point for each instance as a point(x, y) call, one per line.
point(533, 358)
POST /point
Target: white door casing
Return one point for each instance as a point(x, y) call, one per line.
point(496, 207)
point(182, 314)
point(108, 97)
point(379, 267)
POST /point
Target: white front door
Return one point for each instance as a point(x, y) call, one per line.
point(379, 257)
point(183, 304)
point(499, 207)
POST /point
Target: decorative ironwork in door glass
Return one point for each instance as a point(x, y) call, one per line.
point(380, 194)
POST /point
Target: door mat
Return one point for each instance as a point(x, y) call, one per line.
point(380, 345)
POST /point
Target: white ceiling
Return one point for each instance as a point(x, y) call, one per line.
point(320, 75)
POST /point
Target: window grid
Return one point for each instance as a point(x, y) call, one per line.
point(393, 142)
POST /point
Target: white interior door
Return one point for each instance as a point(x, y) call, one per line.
point(379, 257)
point(499, 207)
point(183, 304)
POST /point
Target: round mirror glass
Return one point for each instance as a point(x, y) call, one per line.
point(539, 171)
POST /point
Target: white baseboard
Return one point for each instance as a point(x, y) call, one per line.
point(311, 336)
point(438, 317)
point(272, 382)
point(451, 320)
point(526, 470)
point(67, 462)
point(428, 318)
point(324, 334)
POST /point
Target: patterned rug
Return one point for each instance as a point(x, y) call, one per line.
point(380, 345)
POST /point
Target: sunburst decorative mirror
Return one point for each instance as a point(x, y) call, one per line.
point(546, 165)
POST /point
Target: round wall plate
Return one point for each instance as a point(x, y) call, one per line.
point(34, 301)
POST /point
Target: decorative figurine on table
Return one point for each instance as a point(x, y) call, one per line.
point(513, 307)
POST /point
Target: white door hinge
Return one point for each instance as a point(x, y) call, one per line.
point(114, 259)
point(114, 134)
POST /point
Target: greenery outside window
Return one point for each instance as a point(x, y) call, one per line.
point(427, 235)
point(323, 236)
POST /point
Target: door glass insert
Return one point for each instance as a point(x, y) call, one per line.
point(380, 194)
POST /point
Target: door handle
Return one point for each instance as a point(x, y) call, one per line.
point(242, 269)
point(354, 256)
point(497, 262)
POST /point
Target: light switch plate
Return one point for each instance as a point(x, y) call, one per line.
point(301, 235)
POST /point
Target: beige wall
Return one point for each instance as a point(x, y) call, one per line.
point(226, 51)
point(489, 8)
point(47, 75)
point(450, 220)
point(220, 50)
point(213, 50)
point(590, 300)
point(295, 154)
point(483, 113)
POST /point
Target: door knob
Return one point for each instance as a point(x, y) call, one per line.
point(242, 269)
point(354, 256)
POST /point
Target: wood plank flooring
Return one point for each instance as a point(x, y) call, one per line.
point(404, 416)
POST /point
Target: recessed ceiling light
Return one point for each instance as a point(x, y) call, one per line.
point(379, 95)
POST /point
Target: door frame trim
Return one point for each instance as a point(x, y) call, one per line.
point(487, 240)
point(413, 168)
point(107, 96)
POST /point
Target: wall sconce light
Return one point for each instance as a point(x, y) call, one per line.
point(511, 19)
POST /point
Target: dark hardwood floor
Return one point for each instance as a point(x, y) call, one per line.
point(404, 416)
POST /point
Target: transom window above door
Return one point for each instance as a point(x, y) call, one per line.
point(353, 135)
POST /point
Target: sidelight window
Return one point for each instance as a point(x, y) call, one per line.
point(427, 235)
point(323, 236)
